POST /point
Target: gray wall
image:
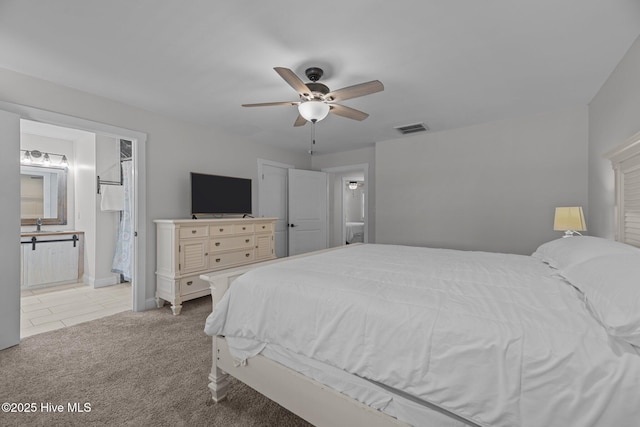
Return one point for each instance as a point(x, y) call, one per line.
point(174, 148)
point(490, 187)
point(614, 116)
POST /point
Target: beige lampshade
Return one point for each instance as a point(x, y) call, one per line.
point(569, 218)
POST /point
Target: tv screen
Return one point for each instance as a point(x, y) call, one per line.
point(215, 194)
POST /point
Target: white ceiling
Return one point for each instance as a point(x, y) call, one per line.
point(447, 63)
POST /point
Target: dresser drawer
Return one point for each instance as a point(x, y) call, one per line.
point(221, 230)
point(189, 285)
point(264, 228)
point(195, 231)
point(232, 242)
point(243, 228)
point(227, 259)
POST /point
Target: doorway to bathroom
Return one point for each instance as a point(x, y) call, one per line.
point(76, 245)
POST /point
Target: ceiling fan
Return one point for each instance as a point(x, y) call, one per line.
point(317, 100)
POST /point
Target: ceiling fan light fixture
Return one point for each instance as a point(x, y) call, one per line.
point(313, 111)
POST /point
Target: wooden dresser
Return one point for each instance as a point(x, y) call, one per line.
point(187, 248)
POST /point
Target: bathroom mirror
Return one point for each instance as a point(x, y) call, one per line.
point(43, 194)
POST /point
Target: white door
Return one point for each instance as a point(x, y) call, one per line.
point(308, 213)
point(273, 202)
point(10, 229)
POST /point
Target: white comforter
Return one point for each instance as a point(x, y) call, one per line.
point(494, 338)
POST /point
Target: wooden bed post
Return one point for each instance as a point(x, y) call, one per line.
point(219, 384)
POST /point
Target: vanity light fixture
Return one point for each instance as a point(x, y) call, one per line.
point(38, 158)
point(353, 185)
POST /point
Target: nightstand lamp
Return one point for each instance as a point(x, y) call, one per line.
point(570, 220)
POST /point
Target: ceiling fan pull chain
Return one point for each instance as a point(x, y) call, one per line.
point(313, 137)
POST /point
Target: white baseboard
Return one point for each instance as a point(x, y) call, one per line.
point(101, 282)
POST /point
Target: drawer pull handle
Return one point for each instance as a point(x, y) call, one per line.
point(221, 230)
point(264, 226)
point(217, 259)
point(193, 231)
point(247, 255)
point(189, 283)
point(244, 228)
point(246, 240)
point(217, 243)
point(206, 254)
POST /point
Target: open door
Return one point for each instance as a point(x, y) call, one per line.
point(308, 211)
point(10, 229)
point(272, 201)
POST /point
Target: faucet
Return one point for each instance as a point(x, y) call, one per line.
point(38, 224)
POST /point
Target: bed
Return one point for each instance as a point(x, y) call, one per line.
point(372, 334)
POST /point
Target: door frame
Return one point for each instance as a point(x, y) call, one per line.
point(360, 167)
point(138, 283)
point(10, 229)
point(261, 164)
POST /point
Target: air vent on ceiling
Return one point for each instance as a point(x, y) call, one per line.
point(416, 127)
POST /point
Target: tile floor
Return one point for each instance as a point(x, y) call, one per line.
point(47, 309)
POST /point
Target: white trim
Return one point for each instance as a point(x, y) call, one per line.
point(629, 149)
point(625, 160)
point(10, 230)
point(138, 139)
point(100, 283)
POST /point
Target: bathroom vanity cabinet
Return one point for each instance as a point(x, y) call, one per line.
point(51, 258)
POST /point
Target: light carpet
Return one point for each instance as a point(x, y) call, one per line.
point(133, 369)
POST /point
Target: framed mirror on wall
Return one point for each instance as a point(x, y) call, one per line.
point(43, 194)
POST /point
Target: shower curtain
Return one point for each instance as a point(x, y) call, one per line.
point(123, 257)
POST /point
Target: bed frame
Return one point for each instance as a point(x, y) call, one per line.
point(314, 401)
point(305, 397)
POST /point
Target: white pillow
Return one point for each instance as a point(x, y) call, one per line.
point(567, 251)
point(611, 285)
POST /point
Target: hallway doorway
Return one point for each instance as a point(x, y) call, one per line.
point(349, 204)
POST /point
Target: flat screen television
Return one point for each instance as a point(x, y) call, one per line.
point(215, 194)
